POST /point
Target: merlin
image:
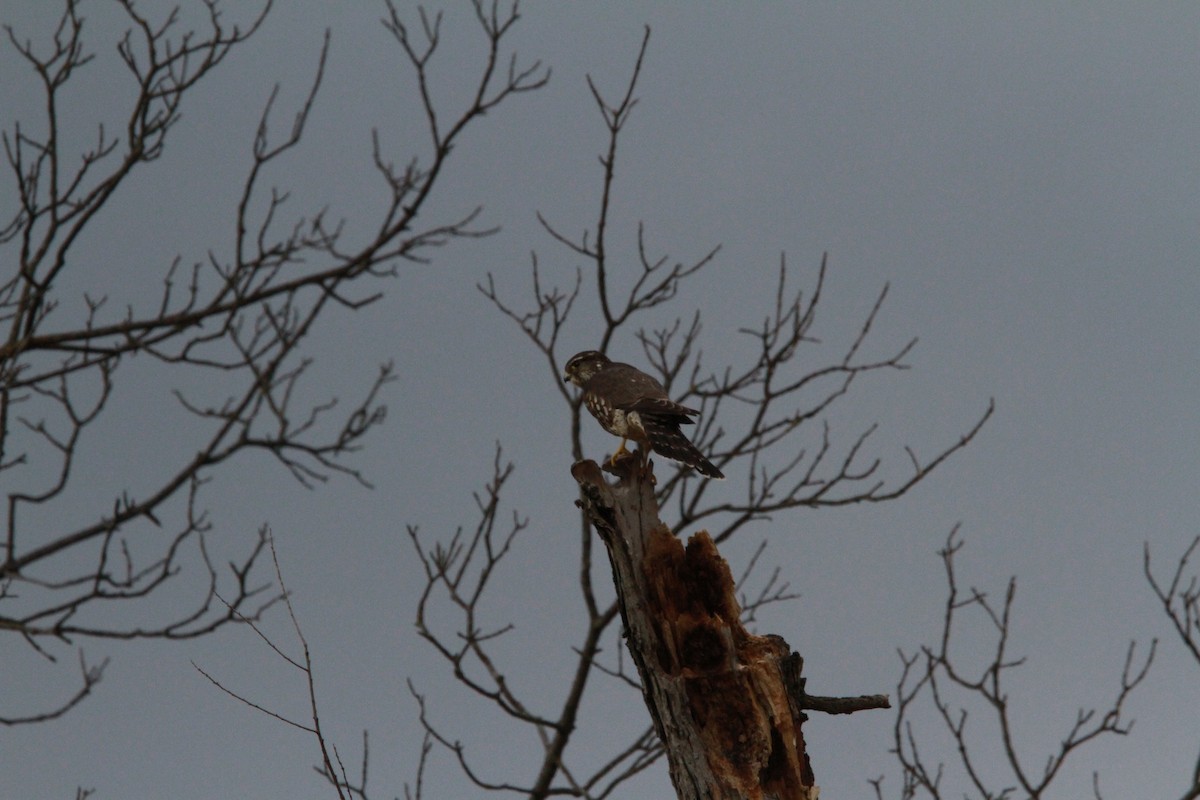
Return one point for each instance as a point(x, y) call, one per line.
point(633, 405)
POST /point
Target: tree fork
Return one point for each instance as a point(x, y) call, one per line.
point(728, 705)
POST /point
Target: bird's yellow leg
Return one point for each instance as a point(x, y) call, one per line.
point(620, 452)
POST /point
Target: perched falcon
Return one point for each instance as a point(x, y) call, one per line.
point(631, 404)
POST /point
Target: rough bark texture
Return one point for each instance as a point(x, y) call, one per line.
point(727, 704)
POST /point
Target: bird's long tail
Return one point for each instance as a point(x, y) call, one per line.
point(667, 440)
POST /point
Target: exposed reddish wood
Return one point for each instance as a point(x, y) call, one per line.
point(727, 704)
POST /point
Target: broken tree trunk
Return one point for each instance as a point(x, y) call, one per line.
point(727, 705)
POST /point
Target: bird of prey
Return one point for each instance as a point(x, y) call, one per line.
point(633, 405)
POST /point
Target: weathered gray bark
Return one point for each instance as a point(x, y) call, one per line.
point(728, 705)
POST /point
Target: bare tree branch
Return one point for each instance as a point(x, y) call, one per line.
point(90, 676)
point(934, 675)
point(237, 319)
point(329, 755)
point(1180, 600)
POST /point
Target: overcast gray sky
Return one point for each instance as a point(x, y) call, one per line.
point(1023, 175)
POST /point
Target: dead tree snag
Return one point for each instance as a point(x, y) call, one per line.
point(727, 704)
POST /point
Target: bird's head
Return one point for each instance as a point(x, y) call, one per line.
point(582, 366)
